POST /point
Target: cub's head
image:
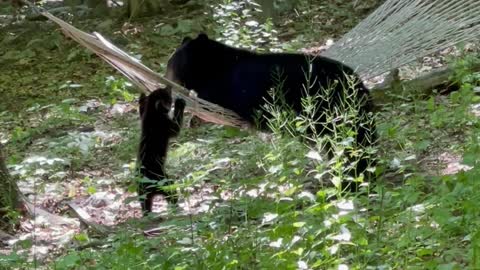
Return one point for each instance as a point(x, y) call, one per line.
point(158, 102)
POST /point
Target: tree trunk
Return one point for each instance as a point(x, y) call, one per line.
point(9, 194)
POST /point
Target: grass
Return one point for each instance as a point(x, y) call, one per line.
point(265, 210)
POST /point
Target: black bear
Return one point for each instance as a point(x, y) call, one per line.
point(240, 80)
point(157, 129)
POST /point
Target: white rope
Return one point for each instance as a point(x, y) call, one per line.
point(400, 31)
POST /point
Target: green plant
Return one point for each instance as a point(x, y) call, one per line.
point(119, 88)
point(238, 24)
point(334, 129)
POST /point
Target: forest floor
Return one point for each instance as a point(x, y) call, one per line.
point(71, 129)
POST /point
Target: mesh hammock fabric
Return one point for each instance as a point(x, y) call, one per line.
point(400, 31)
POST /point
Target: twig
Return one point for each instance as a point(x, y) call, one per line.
point(158, 230)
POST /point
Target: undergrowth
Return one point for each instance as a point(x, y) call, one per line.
point(264, 213)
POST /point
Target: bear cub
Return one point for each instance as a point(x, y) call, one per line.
point(157, 127)
point(240, 80)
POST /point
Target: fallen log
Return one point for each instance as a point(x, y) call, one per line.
point(425, 84)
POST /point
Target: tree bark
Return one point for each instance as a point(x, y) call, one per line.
point(9, 193)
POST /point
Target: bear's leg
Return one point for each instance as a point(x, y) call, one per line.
point(146, 192)
point(148, 204)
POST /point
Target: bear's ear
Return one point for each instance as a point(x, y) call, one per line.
point(202, 36)
point(186, 39)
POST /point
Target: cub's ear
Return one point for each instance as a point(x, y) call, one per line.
point(186, 39)
point(202, 36)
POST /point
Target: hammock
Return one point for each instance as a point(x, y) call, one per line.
point(401, 31)
point(395, 34)
point(143, 77)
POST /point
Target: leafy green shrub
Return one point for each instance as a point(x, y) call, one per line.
point(238, 24)
point(119, 88)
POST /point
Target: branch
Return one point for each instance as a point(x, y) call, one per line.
point(35, 211)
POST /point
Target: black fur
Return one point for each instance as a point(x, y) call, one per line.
point(239, 80)
point(157, 129)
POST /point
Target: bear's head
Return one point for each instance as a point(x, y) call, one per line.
point(192, 60)
point(157, 103)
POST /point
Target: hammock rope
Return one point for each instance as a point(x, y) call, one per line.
point(145, 78)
